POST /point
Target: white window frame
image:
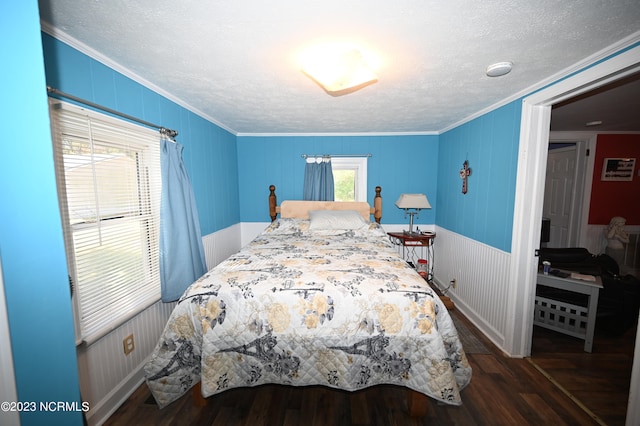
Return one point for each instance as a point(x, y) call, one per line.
point(93, 320)
point(359, 164)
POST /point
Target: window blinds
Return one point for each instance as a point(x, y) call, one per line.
point(108, 173)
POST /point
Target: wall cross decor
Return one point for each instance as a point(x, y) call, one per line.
point(465, 172)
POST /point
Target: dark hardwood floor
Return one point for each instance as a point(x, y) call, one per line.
point(503, 391)
point(600, 380)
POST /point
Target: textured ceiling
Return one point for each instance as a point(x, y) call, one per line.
point(235, 62)
point(616, 105)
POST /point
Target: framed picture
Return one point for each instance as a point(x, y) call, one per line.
point(618, 169)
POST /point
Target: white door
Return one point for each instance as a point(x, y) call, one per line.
point(559, 193)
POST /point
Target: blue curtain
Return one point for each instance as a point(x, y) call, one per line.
point(181, 252)
point(318, 180)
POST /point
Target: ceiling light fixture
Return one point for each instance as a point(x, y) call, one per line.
point(338, 69)
point(593, 123)
point(499, 69)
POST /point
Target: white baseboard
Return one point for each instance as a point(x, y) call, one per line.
point(101, 412)
point(483, 326)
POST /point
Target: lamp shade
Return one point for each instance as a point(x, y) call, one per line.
point(413, 201)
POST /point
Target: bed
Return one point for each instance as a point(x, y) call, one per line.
point(320, 297)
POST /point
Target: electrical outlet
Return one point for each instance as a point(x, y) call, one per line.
point(128, 344)
point(453, 283)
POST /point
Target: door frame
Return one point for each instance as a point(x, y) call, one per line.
point(8, 390)
point(610, 65)
point(530, 180)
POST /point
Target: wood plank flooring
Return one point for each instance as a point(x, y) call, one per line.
point(503, 391)
point(600, 380)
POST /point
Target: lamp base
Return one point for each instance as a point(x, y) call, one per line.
point(411, 231)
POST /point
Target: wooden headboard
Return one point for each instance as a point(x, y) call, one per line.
point(300, 209)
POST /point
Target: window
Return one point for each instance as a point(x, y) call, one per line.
point(349, 178)
point(108, 175)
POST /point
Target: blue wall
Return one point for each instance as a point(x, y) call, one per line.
point(221, 167)
point(398, 164)
point(490, 144)
point(209, 151)
point(427, 164)
point(31, 243)
point(231, 175)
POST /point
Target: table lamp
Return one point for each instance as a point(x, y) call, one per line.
point(412, 204)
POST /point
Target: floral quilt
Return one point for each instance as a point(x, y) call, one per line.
point(300, 307)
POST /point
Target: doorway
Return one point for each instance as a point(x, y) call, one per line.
point(560, 357)
point(532, 157)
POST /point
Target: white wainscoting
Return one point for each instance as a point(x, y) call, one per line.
point(631, 262)
point(250, 230)
point(221, 244)
point(594, 238)
point(596, 242)
point(107, 375)
point(481, 273)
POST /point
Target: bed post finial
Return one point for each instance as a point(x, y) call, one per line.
point(377, 205)
point(273, 202)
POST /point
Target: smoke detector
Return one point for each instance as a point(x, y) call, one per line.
point(499, 69)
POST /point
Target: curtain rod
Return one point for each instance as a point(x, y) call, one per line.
point(336, 155)
point(163, 130)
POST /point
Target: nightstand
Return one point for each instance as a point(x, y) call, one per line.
point(416, 246)
point(420, 246)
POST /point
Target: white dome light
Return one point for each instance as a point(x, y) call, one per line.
point(338, 68)
point(498, 69)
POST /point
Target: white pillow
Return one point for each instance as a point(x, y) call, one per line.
point(335, 219)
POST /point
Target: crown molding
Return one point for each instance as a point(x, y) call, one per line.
point(94, 54)
point(603, 55)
